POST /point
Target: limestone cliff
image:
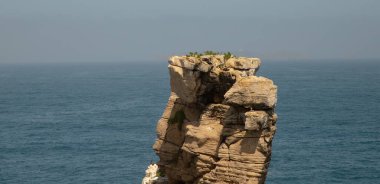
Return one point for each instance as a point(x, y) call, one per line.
point(219, 122)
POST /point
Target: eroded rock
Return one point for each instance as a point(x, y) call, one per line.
point(219, 121)
point(252, 92)
point(185, 83)
point(243, 63)
point(256, 120)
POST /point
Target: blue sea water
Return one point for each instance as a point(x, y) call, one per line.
point(95, 123)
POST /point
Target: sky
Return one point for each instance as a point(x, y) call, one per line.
point(129, 31)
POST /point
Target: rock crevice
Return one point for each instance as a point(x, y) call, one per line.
point(219, 121)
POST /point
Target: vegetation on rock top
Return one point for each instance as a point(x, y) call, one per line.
point(227, 55)
point(179, 117)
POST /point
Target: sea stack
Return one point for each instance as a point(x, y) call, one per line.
point(219, 121)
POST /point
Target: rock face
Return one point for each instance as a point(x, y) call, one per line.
point(219, 122)
point(252, 91)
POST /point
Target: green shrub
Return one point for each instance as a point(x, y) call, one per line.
point(194, 54)
point(178, 118)
point(227, 55)
point(160, 173)
point(209, 52)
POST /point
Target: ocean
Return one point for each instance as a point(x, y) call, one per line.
point(95, 122)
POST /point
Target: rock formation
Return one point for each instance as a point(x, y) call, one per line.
point(219, 122)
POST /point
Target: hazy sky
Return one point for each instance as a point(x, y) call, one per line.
point(125, 30)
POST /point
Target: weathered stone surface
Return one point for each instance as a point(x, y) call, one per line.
point(256, 120)
point(233, 135)
point(234, 116)
point(243, 63)
point(203, 139)
point(253, 92)
point(174, 131)
point(203, 67)
point(242, 73)
point(228, 172)
point(203, 64)
point(203, 164)
point(214, 112)
point(217, 61)
point(183, 62)
point(239, 163)
point(219, 121)
point(189, 167)
point(184, 83)
point(168, 152)
point(162, 123)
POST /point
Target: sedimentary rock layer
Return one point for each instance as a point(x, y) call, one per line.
point(219, 122)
